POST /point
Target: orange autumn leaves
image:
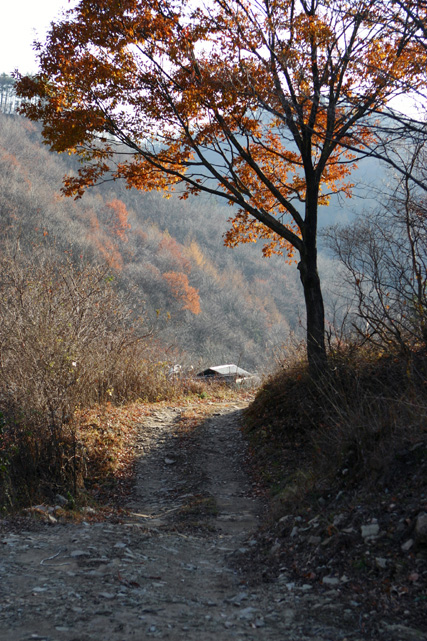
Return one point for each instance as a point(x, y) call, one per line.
point(251, 100)
point(183, 292)
point(109, 233)
point(177, 281)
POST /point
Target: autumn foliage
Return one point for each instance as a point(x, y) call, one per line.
point(266, 104)
point(182, 291)
point(118, 222)
point(108, 233)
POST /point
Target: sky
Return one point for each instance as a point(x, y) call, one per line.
point(22, 22)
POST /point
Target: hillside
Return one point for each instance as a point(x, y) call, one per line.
point(212, 304)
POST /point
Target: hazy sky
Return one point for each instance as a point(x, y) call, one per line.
point(22, 22)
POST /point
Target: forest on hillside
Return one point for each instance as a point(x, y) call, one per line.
point(207, 303)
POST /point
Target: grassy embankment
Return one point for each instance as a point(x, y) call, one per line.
point(346, 430)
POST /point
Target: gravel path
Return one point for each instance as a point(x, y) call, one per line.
point(169, 570)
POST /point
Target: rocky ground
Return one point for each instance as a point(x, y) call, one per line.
point(183, 562)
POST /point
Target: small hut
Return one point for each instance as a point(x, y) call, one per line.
point(227, 373)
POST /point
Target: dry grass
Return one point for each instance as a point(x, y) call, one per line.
point(347, 428)
point(68, 341)
point(339, 454)
point(107, 433)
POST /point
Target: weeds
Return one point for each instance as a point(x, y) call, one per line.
point(373, 406)
point(74, 357)
point(68, 341)
point(347, 428)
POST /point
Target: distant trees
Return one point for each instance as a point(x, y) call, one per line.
point(9, 101)
point(384, 255)
point(266, 104)
point(187, 296)
point(109, 227)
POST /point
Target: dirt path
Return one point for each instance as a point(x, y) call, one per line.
point(169, 570)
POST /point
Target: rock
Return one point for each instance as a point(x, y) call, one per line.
point(407, 545)
point(330, 580)
point(289, 615)
point(236, 600)
point(247, 614)
point(421, 528)
point(275, 548)
point(381, 563)
point(314, 540)
point(75, 554)
point(61, 500)
point(370, 531)
point(338, 519)
point(169, 461)
point(285, 519)
point(40, 508)
point(88, 510)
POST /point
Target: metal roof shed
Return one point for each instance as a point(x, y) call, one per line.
point(226, 372)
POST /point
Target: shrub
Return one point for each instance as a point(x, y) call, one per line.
point(68, 340)
point(349, 427)
point(373, 406)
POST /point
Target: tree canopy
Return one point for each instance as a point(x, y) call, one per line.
point(265, 103)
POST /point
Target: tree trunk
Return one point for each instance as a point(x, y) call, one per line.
point(316, 350)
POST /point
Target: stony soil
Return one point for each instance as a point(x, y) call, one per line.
point(176, 566)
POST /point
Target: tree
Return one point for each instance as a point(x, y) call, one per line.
point(266, 103)
point(183, 292)
point(7, 94)
point(384, 255)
